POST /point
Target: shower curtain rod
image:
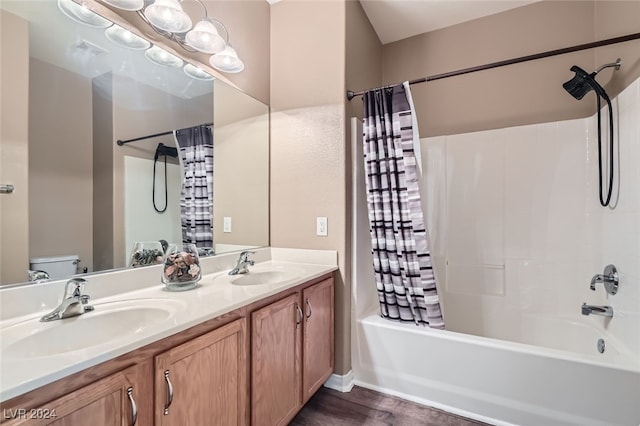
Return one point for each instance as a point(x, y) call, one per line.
point(120, 142)
point(351, 94)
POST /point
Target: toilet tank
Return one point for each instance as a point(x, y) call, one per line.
point(58, 267)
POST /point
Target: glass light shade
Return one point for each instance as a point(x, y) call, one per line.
point(118, 35)
point(197, 73)
point(168, 16)
point(82, 14)
point(227, 61)
point(205, 38)
point(161, 57)
point(131, 5)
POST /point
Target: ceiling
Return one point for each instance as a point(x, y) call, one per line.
point(395, 20)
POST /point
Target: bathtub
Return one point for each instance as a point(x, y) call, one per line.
point(498, 382)
point(544, 371)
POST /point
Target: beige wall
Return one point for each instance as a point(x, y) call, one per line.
point(240, 167)
point(103, 140)
point(363, 55)
point(14, 147)
point(248, 23)
point(307, 139)
point(60, 163)
point(519, 94)
point(615, 19)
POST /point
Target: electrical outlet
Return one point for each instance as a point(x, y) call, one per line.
point(322, 227)
point(226, 224)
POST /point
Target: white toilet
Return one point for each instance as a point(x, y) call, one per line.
point(58, 267)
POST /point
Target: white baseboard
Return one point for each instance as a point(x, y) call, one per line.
point(340, 383)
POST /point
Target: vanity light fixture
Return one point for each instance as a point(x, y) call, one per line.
point(130, 5)
point(82, 15)
point(197, 73)
point(125, 38)
point(227, 61)
point(159, 56)
point(167, 18)
point(167, 15)
point(204, 37)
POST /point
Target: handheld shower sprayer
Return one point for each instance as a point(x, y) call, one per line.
point(581, 84)
point(166, 151)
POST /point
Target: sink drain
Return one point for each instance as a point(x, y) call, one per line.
point(601, 345)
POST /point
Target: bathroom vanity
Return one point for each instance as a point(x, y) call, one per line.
point(257, 361)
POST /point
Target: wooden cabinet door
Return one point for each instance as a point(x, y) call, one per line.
point(204, 381)
point(107, 402)
point(317, 349)
point(275, 361)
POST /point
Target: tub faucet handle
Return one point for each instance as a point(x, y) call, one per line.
point(609, 278)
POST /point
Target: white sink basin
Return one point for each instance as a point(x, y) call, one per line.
point(270, 276)
point(107, 323)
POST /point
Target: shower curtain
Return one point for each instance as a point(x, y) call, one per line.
point(196, 198)
point(404, 275)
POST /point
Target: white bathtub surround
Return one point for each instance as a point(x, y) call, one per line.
point(214, 297)
point(517, 233)
point(141, 221)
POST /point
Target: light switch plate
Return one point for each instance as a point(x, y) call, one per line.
point(226, 224)
point(322, 227)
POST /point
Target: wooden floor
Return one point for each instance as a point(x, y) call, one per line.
point(366, 407)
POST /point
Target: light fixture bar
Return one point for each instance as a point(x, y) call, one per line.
point(167, 18)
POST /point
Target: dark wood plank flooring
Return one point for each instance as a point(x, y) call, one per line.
point(366, 407)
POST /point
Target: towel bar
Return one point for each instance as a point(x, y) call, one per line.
point(6, 189)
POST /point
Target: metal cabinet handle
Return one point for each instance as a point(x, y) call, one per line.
point(310, 311)
point(169, 393)
point(299, 315)
point(134, 407)
point(6, 189)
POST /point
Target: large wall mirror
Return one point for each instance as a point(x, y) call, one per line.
point(90, 197)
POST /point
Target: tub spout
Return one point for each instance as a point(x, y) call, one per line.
point(605, 311)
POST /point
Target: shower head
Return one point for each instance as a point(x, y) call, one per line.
point(581, 84)
point(584, 82)
point(167, 151)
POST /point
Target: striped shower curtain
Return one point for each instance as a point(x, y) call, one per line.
point(196, 199)
point(404, 275)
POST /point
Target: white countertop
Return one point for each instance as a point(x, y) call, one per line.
point(214, 296)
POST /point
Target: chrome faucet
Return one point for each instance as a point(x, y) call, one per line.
point(242, 267)
point(605, 311)
point(38, 276)
point(73, 302)
point(609, 278)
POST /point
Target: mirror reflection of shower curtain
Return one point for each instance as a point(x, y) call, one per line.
point(196, 199)
point(404, 274)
